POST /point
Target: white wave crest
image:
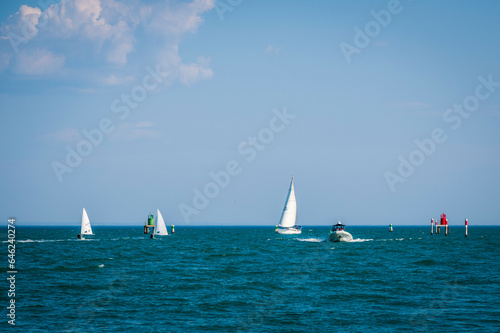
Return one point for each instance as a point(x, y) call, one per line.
point(312, 240)
point(359, 240)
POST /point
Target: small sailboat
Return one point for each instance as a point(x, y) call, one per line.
point(160, 227)
point(338, 233)
point(289, 215)
point(86, 229)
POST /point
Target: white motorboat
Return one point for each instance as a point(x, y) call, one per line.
point(338, 233)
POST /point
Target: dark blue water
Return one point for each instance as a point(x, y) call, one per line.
point(249, 279)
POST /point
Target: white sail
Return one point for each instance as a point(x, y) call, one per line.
point(86, 228)
point(160, 227)
point(290, 211)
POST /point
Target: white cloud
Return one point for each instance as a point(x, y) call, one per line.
point(192, 73)
point(380, 43)
point(175, 19)
point(103, 34)
point(135, 131)
point(39, 62)
point(125, 131)
point(113, 80)
point(122, 43)
point(67, 135)
point(28, 19)
point(273, 49)
point(85, 90)
point(143, 124)
point(409, 105)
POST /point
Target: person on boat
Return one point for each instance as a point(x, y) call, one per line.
point(79, 236)
point(152, 236)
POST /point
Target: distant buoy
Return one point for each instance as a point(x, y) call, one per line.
point(465, 227)
point(390, 227)
point(172, 229)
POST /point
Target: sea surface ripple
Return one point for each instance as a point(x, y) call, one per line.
point(249, 279)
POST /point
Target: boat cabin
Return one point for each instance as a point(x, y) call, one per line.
point(338, 227)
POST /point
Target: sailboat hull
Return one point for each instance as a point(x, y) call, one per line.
point(339, 236)
point(289, 231)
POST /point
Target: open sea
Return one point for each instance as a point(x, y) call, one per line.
point(250, 279)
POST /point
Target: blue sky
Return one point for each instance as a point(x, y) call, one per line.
point(233, 71)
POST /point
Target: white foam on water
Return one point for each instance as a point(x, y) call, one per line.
point(312, 240)
point(101, 266)
point(359, 240)
point(36, 241)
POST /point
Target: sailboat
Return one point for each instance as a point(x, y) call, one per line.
point(86, 229)
point(289, 215)
point(160, 227)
